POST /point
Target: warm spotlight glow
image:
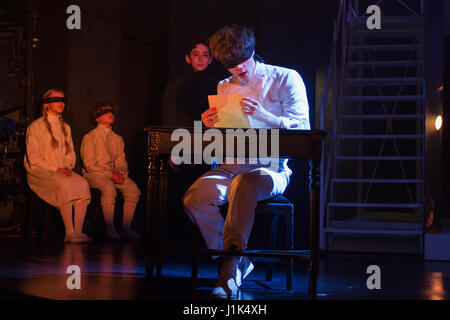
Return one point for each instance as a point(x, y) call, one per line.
point(435, 288)
point(438, 122)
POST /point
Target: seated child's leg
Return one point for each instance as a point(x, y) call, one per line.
point(108, 200)
point(131, 193)
point(66, 214)
point(79, 215)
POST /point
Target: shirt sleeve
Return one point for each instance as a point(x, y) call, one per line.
point(89, 157)
point(294, 102)
point(121, 162)
point(34, 151)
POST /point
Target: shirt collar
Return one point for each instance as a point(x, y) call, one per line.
point(257, 69)
point(104, 129)
point(52, 118)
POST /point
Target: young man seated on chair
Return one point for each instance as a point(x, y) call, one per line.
point(105, 168)
point(274, 97)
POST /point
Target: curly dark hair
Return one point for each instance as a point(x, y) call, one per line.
point(193, 41)
point(232, 45)
point(93, 112)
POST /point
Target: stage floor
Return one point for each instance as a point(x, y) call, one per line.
point(116, 271)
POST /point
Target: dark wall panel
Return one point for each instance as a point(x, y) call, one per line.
point(127, 51)
point(94, 64)
point(51, 54)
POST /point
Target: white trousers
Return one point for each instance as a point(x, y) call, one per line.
point(242, 186)
point(129, 189)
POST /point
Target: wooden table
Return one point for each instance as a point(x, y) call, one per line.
point(304, 144)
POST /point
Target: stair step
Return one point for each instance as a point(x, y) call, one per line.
point(374, 205)
point(388, 32)
point(342, 180)
point(382, 116)
point(393, 47)
point(383, 98)
point(374, 231)
point(382, 158)
point(384, 81)
point(393, 63)
point(380, 136)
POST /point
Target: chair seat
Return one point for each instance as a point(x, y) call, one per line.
point(277, 199)
point(277, 205)
point(49, 222)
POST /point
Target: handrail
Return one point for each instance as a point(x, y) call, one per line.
point(403, 3)
point(348, 11)
point(339, 38)
point(332, 65)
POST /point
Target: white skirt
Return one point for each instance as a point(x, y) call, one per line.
point(57, 189)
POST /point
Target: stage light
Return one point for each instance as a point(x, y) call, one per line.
point(438, 122)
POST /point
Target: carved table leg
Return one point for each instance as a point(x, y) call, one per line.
point(152, 214)
point(314, 226)
point(162, 207)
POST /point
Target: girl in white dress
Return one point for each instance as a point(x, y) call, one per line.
point(49, 161)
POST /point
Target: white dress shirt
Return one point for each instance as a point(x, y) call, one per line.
point(280, 91)
point(40, 152)
point(103, 152)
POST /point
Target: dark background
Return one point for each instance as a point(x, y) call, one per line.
point(127, 51)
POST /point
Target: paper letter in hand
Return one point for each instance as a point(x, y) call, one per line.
point(229, 110)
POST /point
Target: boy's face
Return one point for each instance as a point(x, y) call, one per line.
point(107, 118)
point(199, 57)
point(244, 71)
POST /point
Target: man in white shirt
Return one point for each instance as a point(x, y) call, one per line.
point(274, 97)
point(105, 168)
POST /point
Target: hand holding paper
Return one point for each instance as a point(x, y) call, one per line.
point(229, 111)
point(210, 117)
point(253, 108)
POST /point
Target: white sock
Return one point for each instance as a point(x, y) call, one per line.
point(128, 214)
point(66, 214)
point(108, 215)
point(80, 212)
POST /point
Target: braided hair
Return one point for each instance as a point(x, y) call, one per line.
point(54, 143)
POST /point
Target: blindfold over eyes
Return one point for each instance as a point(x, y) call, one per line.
point(236, 60)
point(53, 99)
point(104, 111)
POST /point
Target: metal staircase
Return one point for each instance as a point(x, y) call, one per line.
point(374, 179)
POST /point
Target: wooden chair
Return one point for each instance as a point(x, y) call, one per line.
point(274, 208)
point(50, 219)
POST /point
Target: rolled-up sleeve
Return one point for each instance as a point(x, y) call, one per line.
point(294, 99)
